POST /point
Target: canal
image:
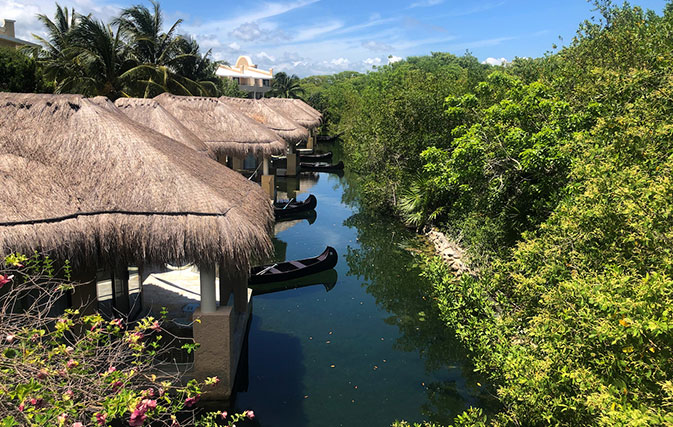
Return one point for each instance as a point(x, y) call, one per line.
point(369, 350)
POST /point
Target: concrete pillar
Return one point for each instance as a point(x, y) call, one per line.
point(265, 165)
point(292, 164)
point(269, 185)
point(207, 283)
point(311, 139)
point(221, 335)
point(237, 163)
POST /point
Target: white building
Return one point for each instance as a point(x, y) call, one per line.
point(249, 78)
point(8, 36)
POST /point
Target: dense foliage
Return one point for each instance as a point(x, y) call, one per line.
point(556, 174)
point(20, 73)
point(131, 56)
point(61, 368)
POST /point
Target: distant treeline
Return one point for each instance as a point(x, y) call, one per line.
point(556, 174)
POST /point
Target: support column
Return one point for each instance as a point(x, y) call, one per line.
point(207, 284)
point(268, 181)
point(292, 164)
point(311, 139)
point(221, 334)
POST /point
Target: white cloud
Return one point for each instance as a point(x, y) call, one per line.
point(393, 59)
point(425, 3)
point(376, 46)
point(25, 13)
point(495, 61)
point(340, 62)
point(372, 61)
point(318, 30)
point(264, 56)
point(234, 46)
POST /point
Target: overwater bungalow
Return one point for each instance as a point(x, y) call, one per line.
point(151, 114)
point(232, 135)
point(82, 182)
point(293, 110)
point(291, 131)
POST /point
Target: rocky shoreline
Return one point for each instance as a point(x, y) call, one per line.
point(449, 251)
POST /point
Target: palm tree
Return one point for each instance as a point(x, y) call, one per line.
point(141, 28)
point(103, 56)
point(52, 50)
point(285, 86)
point(163, 57)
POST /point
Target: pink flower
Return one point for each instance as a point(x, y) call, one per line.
point(111, 369)
point(149, 403)
point(72, 363)
point(100, 418)
point(10, 337)
point(118, 323)
point(190, 401)
point(250, 414)
point(21, 407)
point(155, 326)
point(42, 374)
point(77, 424)
point(68, 394)
point(5, 279)
point(224, 414)
point(116, 385)
point(61, 418)
point(137, 418)
point(69, 349)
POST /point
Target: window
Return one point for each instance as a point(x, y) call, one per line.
point(266, 82)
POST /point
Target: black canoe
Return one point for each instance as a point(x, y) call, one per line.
point(322, 157)
point(326, 278)
point(283, 271)
point(321, 166)
point(284, 209)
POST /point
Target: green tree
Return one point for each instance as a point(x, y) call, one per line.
point(284, 86)
point(20, 73)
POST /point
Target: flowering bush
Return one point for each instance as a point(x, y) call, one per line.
point(82, 370)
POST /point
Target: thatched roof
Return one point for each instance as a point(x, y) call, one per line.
point(87, 183)
point(283, 126)
point(223, 128)
point(292, 110)
point(149, 113)
point(308, 108)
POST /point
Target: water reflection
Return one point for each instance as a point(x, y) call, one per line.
point(328, 279)
point(373, 349)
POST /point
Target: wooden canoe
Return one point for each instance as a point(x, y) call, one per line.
point(282, 271)
point(321, 166)
point(288, 208)
point(326, 278)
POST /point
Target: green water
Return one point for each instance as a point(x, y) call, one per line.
point(369, 351)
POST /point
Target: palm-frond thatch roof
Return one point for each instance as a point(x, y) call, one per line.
point(283, 126)
point(87, 183)
point(292, 110)
point(306, 106)
point(224, 129)
point(149, 113)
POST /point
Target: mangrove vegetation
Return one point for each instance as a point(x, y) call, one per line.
point(554, 174)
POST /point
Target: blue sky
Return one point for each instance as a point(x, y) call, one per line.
point(309, 37)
